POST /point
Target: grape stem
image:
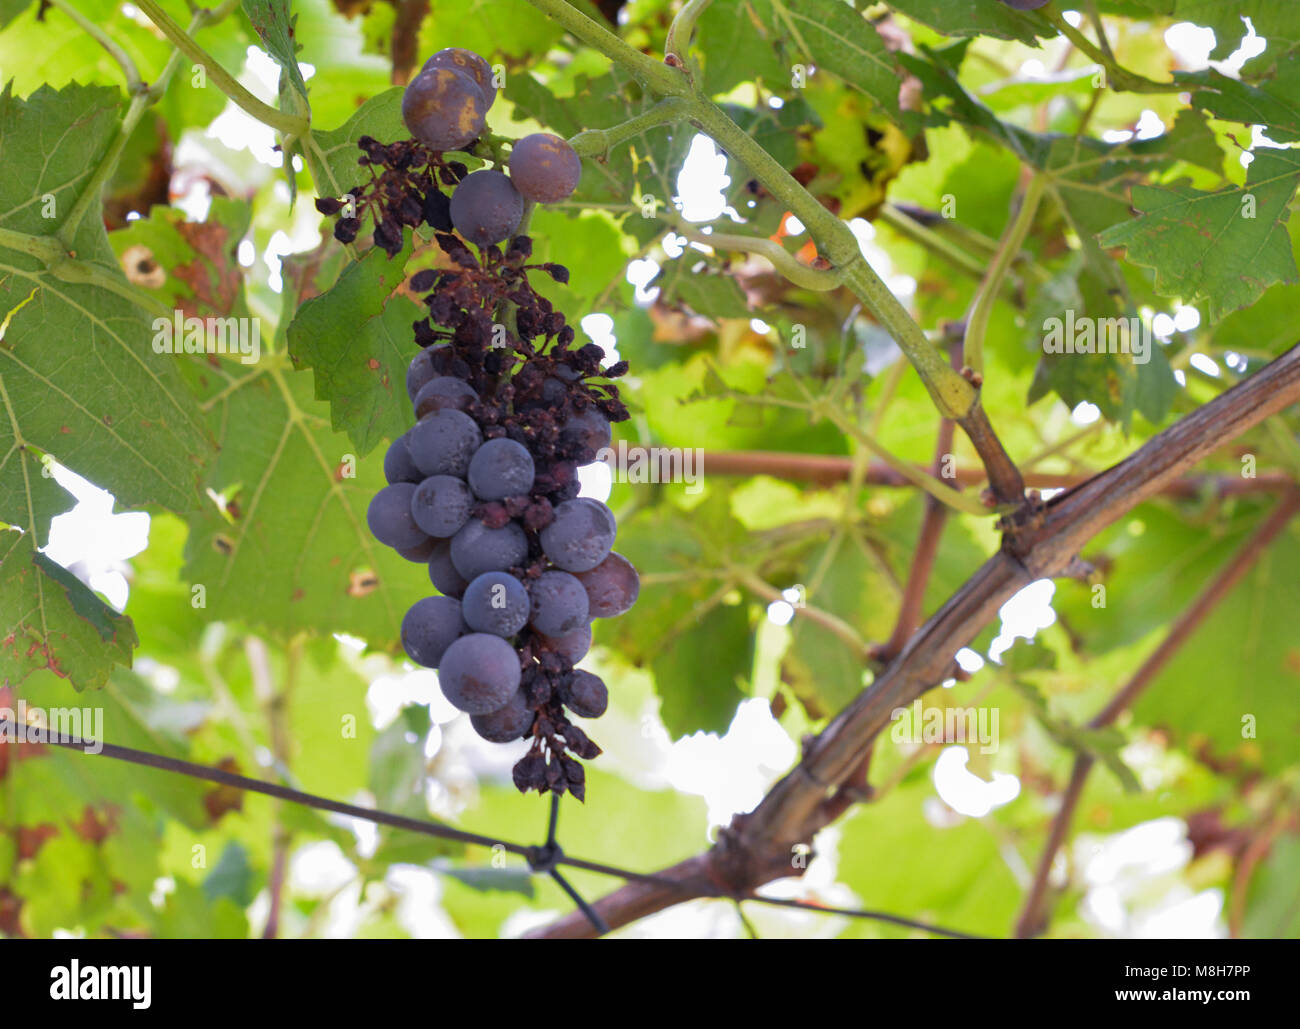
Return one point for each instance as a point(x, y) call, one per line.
point(289, 124)
point(780, 258)
point(597, 143)
point(1120, 78)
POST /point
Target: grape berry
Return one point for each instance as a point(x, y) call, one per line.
point(484, 487)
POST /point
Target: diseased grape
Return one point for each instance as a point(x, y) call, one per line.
point(443, 442)
point(476, 549)
point(559, 603)
point(470, 63)
point(430, 627)
point(442, 573)
point(500, 468)
point(441, 504)
point(572, 646)
point(444, 108)
point(506, 723)
point(612, 586)
point(398, 466)
point(444, 391)
point(585, 694)
point(496, 602)
point(581, 536)
point(590, 429)
point(545, 168)
point(479, 673)
point(486, 208)
point(389, 517)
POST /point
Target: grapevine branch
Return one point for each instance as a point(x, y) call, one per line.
point(757, 847)
point(543, 858)
point(1034, 915)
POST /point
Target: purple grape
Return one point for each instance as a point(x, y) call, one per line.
point(486, 208)
point(444, 391)
point(501, 468)
point(507, 723)
point(479, 673)
point(496, 602)
point(559, 603)
point(389, 517)
point(469, 63)
point(572, 646)
point(398, 466)
point(585, 695)
point(430, 627)
point(443, 442)
point(612, 586)
point(581, 536)
point(444, 109)
point(545, 168)
point(589, 430)
point(442, 573)
point(420, 370)
point(441, 504)
point(420, 554)
point(476, 549)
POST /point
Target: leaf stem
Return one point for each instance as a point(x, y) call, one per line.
point(134, 84)
point(1120, 78)
point(977, 321)
point(288, 124)
point(598, 142)
point(780, 258)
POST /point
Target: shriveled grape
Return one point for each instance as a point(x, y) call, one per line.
point(612, 586)
point(479, 673)
point(590, 430)
point(585, 694)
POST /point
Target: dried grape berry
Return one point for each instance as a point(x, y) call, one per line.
point(585, 694)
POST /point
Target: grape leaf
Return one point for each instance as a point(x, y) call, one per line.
point(52, 620)
point(1278, 21)
point(334, 154)
point(976, 18)
point(294, 551)
point(1273, 908)
point(356, 338)
point(1226, 247)
point(1274, 104)
point(275, 27)
point(82, 381)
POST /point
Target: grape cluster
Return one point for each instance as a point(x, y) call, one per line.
point(483, 488)
point(445, 108)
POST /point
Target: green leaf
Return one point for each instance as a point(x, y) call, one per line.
point(356, 338)
point(295, 551)
point(232, 877)
point(696, 671)
point(714, 295)
point(1225, 247)
point(976, 18)
point(1276, 20)
point(1274, 103)
point(275, 27)
point(333, 154)
point(1273, 905)
point(82, 380)
point(54, 621)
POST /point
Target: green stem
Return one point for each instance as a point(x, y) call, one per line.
point(134, 84)
point(781, 259)
point(1120, 78)
point(288, 124)
point(977, 322)
point(935, 242)
point(599, 142)
point(683, 27)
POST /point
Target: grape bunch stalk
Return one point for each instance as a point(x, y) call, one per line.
point(483, 488)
